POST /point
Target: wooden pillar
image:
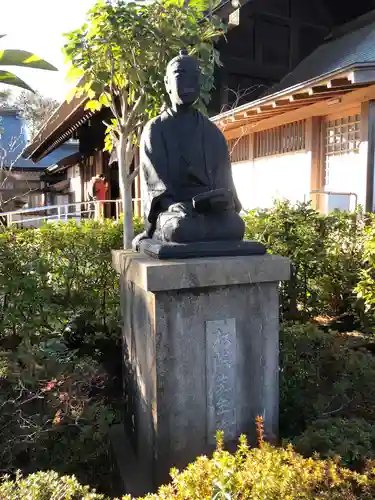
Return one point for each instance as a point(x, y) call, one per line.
point(368, 133)
point(314, 145)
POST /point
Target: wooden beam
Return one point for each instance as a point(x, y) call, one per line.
point(285, 104)
point(338, 82)
point(280, 102)
point(267, 114)
point(321, 90)
point(262, 112)
point(299, 96)
point(308, 100)
point(264, 108)
point(349, 99)
point(347, 110)
point(317, 89)
point(255, 117)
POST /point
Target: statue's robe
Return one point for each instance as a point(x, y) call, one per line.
point(181, 155)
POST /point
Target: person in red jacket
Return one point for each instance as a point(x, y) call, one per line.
point(100, 190)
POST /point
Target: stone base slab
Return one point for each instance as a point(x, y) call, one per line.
point(164, 250)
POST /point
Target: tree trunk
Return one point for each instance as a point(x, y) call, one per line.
point(128, 218)
point(126, 193)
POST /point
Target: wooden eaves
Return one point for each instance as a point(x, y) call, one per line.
point(346, 86)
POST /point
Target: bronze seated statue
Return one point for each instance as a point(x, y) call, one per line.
point(209, 216)
point(191, 206)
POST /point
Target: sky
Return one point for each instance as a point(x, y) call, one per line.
point(37, 26)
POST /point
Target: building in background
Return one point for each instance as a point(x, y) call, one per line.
point(277, 140)
point(311, 137)
point(68, 181)
point(267, 39)
point(20, 183)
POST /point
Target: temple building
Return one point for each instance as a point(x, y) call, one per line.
point(294, 99)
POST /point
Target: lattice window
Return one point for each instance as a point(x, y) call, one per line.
point(342, 136)
point(280, 140)
point(239, 149)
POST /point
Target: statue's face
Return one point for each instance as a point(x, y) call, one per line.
point(183, 81)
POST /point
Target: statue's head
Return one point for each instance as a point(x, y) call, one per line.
point(182, 79)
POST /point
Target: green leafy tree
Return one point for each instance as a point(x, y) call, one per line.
point(35, 109)
point(5, 97)
point(12, 57)
point(121, 54)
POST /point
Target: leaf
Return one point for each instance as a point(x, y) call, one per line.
point(104, 101)
point(93, 105)
point(11, 57)
point(97, 87)
point(74, 73)
point(11, 79)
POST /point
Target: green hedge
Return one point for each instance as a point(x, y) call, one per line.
point(59, 339)
point(324, 374)
point(327, 393)
point(366, 284)
point(353, 440)
point(326, 253)
point(60, 356)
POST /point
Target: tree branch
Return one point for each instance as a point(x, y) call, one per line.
point(134, 111)
point(133, 175)
point(113, 93)
point(124, 105)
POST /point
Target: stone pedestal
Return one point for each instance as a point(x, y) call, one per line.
point(202, 344)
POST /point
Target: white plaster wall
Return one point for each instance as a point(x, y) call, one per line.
point(75, 183)
point(261, 181)
point(75, 187)
point(347, 173)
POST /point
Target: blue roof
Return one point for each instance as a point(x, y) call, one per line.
point(13, 140)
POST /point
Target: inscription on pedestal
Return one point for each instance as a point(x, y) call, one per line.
point(221, 357)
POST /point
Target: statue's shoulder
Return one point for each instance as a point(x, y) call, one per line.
point(214, 131)
point(151, 130)
point(152, 124)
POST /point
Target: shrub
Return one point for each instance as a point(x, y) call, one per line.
point(366, 285)
point(344, 238)
point(265, 473)
point(353, 440)
point(54, 411)
point(325, 252)
point(57, 272)
point(323, 375)
point(45, 486)
point(59, 348)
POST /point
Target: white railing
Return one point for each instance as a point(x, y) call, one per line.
point(35, 217)
point(324, 196)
